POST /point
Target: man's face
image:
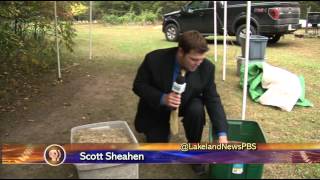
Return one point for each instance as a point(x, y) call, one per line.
point(192, 60)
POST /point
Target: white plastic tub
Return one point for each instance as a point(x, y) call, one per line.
point(107, 171)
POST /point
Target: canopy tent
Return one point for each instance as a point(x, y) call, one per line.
point(248, 17)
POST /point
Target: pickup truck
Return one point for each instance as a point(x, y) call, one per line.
point(272, 19)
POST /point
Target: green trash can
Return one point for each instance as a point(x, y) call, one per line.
point(243, 131)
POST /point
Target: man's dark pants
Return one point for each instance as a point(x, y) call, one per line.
point(193, 121)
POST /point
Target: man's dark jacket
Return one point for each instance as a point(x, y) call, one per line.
point(155, 77)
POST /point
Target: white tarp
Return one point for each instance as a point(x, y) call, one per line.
point(284, 88)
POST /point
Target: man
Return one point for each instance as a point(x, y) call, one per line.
point(153, 85)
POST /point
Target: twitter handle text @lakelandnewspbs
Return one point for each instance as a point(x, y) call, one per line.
point(218, 147)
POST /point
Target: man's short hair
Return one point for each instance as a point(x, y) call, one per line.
point(193, 40)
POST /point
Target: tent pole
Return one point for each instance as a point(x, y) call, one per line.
point(57, 39)
point(215, 31)
point(224, 41)
point(244, 97)
point(90, 29)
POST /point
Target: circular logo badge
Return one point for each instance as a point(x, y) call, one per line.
point(54, 155)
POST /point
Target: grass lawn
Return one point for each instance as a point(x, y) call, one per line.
point(122, 48)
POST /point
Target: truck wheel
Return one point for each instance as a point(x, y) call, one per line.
point(274, 39)
point(242, 30)
point(172, 32)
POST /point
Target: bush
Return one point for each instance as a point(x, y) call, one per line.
point(146, 17)
point(27, 40)
point(29, 32)
point(128, 18)
point(112, 19)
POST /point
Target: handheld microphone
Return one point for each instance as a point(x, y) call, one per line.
point(179, 85)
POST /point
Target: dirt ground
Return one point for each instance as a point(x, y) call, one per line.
point(91, 92)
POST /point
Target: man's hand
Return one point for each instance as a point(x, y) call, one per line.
point(223, 139)
point(172, 100)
